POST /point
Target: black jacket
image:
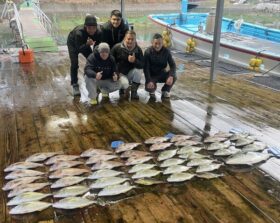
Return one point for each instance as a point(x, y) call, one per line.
point(96, 64)
point(77, 39)
point(113, 35)
point(156, 62)
point(121, 53)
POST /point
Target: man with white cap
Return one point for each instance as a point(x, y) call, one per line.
point(100, 74)
point(81, 40)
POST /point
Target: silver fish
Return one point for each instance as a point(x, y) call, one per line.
point(23, 173)
point(255, 147)
point(30, 207)
point(243, 142)
point(160, 146)
point(145, 173)
point(22, 166)
point(115, 190)
point(104, 173)
point(19, 181)
point(148, 182)
point(97, 158)
point(158, 139)
point(248, 158)
point(192, 156)
point(127, 146)
point(221, 134)
point(171, 162)
point(188, 149)
point(180, 177)
point(237, 136)
point(227, 152)
point(212, 139)
point(92, 152)
point(134, 153)
point(106, 165)
point(71, 191)
point(176, 169)
point(187, 143)
point(73, 203)
point(177, 138)
point(67, 181)
point(57, 158)
point(40, 157)
point(217, 146)
point(134, 161)
point(208, 167)
point(27, 188)
point(104, 182)
point(199, 162)
point(166, 154)
point(67, 172)
point(141, 166)
point(65, 164)
point(209, 175)
point(27, 197)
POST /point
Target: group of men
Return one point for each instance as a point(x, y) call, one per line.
point(114, 60)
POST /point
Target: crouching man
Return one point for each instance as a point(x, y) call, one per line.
point(100, 74)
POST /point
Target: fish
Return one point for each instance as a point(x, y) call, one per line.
point(188, 149)
point(208, 167)
point(67, 181)
point(209, 175)
point(212, 139)
point(73, 203)
point(154, 140)
point(177, 138)
point(166, 154)
point(97, 158)
point(67, 172)
point(217, 146)
point(148, 182)
point(134, 161)
point(237, 136)
point(244, 141)
point(104, 173)
point(27, 197)
point(27, 188)
point(199, 162)
point(107, 181)
point(22, 166)
point(192, 156)
point(71, 191)
point(175, 169)
point(171, 162)
point(57, 158)
point(115, 190)
point(146, 173)
point(248, 158)
point(160, 146)
point(19, 181)
point(65, 164)
point(221, 134)
point(227, 152)
point(40, 157)
point(106, 165)
point(23, 173)
point(187, 143)
point(141, 166)
point(92, 152)
point(180, 177)
point(127, 146)
point(255, 147)
point(134, 153)
point(29, 207)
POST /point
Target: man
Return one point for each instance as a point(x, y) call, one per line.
point(114, 30)
point(156, 58)
point(100, 71)
point(129, 58)
point(81, 40)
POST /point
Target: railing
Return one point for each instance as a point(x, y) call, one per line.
point(19, 25)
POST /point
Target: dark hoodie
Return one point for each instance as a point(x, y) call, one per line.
point(96, 64)
point(113, 35)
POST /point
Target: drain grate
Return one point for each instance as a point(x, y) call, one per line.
point(268, 81)
point(188, 56)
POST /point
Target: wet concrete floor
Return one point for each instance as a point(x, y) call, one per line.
point(38, 113)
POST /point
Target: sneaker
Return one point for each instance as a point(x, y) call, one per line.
point(165, 94)
point(105, 94)
point(153, 95)
point(93, 101)
point(76, 90)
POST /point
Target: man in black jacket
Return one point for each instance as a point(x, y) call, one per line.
point(81, 40)
point(129, 59)
point(156, 58)
point(114, 30)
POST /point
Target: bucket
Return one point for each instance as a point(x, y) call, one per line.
point(26, 56)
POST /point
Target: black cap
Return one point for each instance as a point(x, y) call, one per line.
point(90, 20)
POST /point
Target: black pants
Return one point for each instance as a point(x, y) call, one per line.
point(161, 78)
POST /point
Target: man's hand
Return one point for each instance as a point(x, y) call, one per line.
point(115, 76)
point(90, 42)
point(99, 75)
point(131, 58)
point(169, 80)
point(150, 85)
